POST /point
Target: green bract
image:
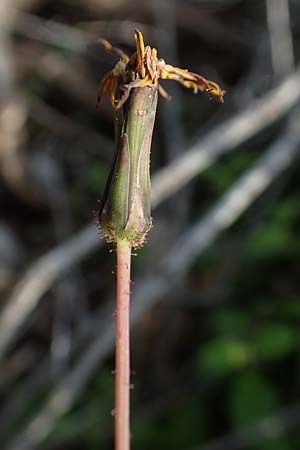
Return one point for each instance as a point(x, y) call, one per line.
point(126, 211)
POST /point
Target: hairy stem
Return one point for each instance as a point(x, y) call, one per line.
point(122, 377)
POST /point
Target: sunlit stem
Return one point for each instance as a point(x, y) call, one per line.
point(122, 377)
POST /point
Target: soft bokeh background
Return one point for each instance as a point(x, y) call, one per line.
point(215, 307)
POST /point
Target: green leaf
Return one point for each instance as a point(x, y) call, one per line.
point(223, 173)
point(277, 443)
point(276, 235)
point(274, 340)
point(224, 355)
point(289, 308)
point(182, 428)
point(232, 322)
point(251, 397)
point(268, 240)
point(97, 176)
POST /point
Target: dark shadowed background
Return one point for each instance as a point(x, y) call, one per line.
point(216, 293)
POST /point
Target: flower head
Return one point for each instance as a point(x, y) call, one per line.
point(125, 212)
point(144, 68)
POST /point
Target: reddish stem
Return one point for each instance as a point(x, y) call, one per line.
point(122, 378)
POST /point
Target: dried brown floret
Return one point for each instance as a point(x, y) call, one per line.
point(144, 68)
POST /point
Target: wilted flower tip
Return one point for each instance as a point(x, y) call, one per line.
point(144, 68)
